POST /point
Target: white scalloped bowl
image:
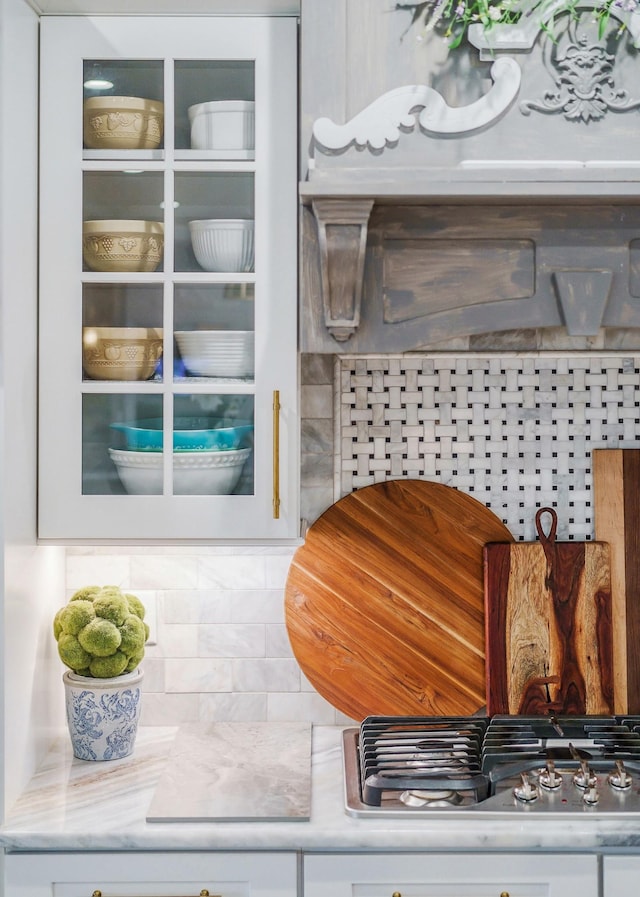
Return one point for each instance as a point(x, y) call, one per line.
point(194, 473)
point(223, 244)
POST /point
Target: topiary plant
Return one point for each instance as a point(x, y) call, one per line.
point(101, 632)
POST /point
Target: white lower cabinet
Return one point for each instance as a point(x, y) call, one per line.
point(451, 875)
point(152, 874)
point(621, 876)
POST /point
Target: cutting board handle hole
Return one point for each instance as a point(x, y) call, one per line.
point(551, 537)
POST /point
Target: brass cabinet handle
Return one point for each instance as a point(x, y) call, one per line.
point(504, 894)
point(276, 454)
point(203, 893)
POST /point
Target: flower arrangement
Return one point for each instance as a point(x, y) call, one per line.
point(101, 632)
point(453, 17)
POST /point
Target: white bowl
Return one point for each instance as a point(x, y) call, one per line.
point(122, 245)
point(217, 353)
point(223, 244)
point(194, 473)
point(223, 125)
point(122, 123)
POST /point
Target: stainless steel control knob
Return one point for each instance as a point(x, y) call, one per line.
point(549, 779)
point(527, 791)
point(620, 780)
point(591, 796)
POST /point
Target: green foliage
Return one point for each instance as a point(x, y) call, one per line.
point(452, 18)
point(101, 632)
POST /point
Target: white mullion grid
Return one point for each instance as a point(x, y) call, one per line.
point(169, 267)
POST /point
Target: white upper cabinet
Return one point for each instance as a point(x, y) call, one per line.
point(168, 364)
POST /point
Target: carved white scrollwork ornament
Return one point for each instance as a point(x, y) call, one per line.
point(382, 122)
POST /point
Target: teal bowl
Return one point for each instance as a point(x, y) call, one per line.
point(190, 434)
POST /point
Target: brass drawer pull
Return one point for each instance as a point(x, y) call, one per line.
point(203, 893)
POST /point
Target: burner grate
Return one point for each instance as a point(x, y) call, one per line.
point(524, 742)
point(420, 755)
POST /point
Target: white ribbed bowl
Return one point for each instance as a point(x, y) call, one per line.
point(223, 244)
point(217, 353)
point(194, 473)
point(223, 125)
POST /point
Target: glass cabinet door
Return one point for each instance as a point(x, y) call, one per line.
point(168, 387)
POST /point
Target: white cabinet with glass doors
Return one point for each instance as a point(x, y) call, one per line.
point(168, 367)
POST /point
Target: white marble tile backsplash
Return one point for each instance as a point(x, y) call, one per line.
point(222, 652)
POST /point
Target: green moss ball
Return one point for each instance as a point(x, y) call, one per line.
point(133, 635)
point(106, 667)
point(100, 638)
point(71, 652)
point(134, 661)
point(57, 624)
point(76, 615)
point(88, 593)
point(101, 632)
point(111, 606)
point(135, 605)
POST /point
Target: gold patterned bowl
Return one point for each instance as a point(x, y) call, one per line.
point(122, 123)
point(129, 246)
point(120, 353)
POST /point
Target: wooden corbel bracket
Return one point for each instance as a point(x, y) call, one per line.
point(342, 239)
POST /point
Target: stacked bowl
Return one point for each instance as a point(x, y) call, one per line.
point(122, 123)
point(120, 353)
point(217, 353)
point(223, 125)
point(127, 245)
point(223, 244)
point(208, 455)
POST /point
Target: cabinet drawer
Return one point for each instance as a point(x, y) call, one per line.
point(450, 875)
point(621, 876)
point(150, 874)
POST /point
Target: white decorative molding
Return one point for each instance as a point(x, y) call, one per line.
point(380, 122)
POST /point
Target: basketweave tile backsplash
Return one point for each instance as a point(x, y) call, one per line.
point(516, 432)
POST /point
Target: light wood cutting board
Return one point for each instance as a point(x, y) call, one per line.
point(616, 486)
point(549, 625)
point(384, 602)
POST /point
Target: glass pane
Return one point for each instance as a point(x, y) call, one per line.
point(115, 459)
point(206, 90)
point(123, 221)
point(214, 222)
point(122, 331)
point(214, 331)
point(213, 445)
point(123, 105)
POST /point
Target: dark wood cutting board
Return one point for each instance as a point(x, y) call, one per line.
point(384, 603)
point(549, 637)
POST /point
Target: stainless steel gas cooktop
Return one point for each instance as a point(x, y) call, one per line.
point(411, 766)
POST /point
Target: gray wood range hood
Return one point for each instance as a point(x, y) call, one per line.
point(449, 193)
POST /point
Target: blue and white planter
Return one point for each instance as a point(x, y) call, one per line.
point(103, 714)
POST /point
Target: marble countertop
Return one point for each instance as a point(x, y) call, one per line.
point(77, 805)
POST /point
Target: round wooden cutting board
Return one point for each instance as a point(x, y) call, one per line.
point(384, 603)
